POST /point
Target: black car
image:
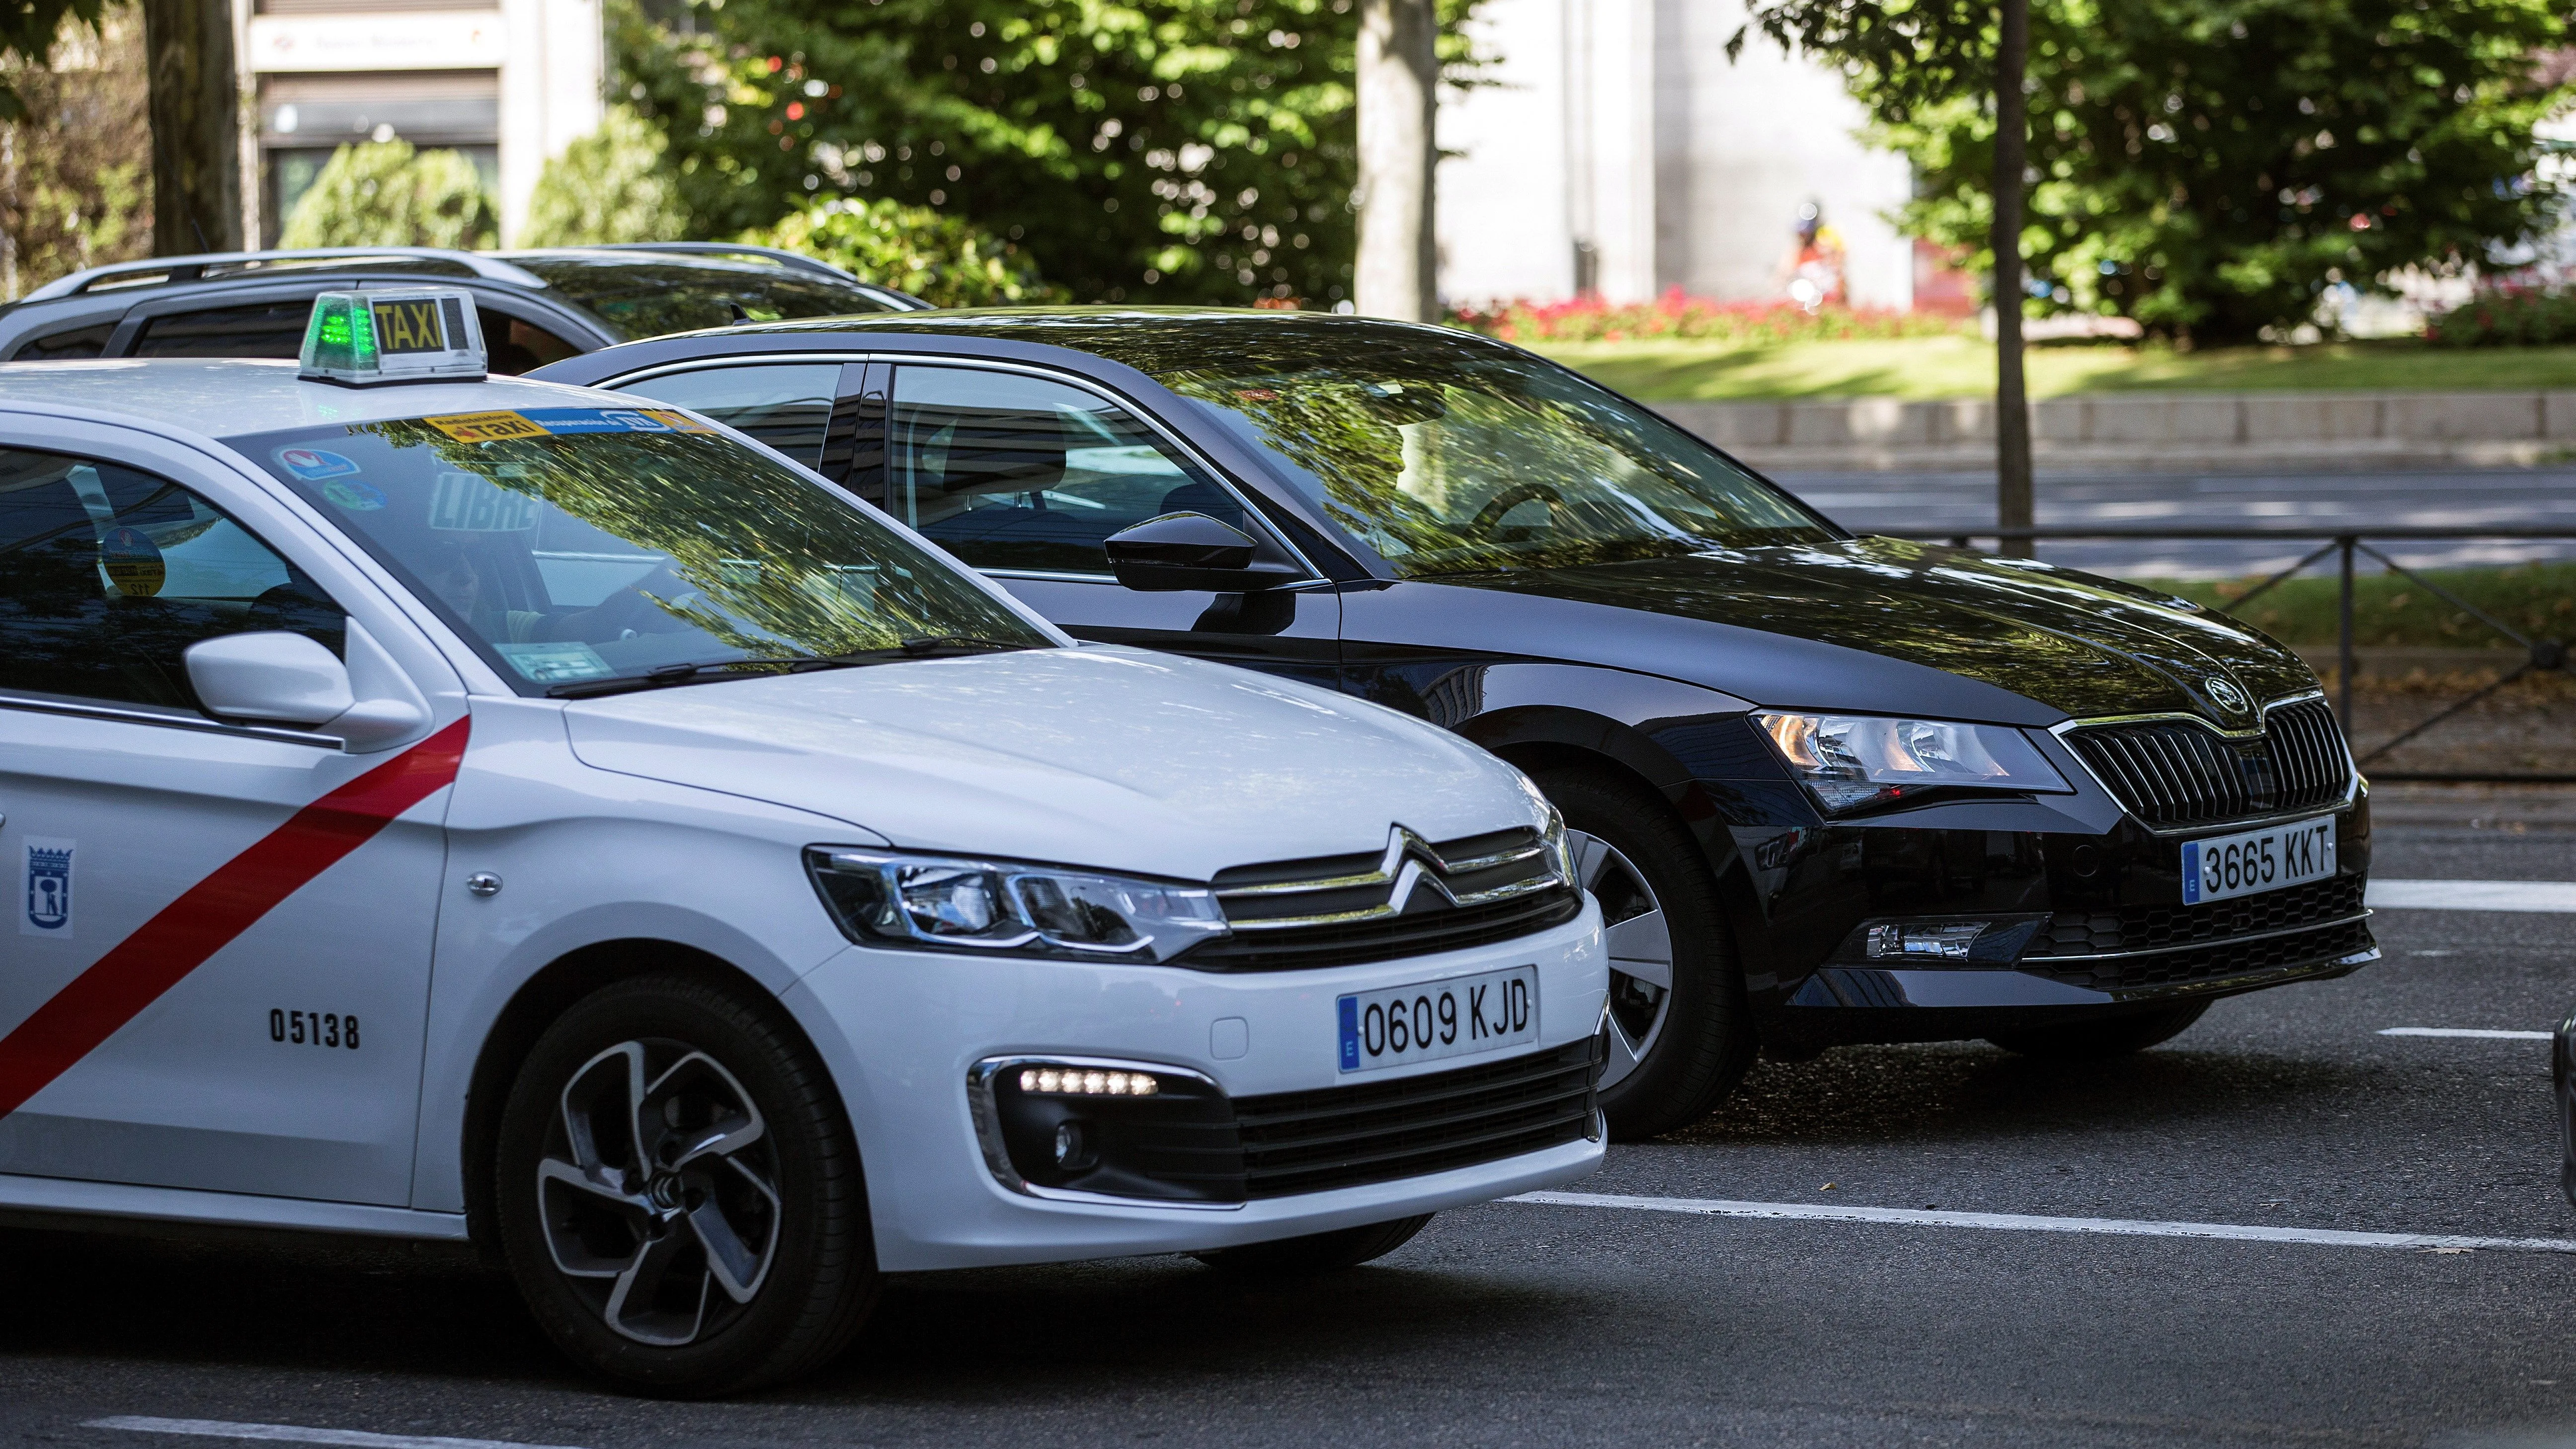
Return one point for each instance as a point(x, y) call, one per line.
point(1829, 789)
point(536, 306)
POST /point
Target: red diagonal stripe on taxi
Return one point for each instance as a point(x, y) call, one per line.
point(208, 915)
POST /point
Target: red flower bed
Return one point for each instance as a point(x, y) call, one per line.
point(1590, 319)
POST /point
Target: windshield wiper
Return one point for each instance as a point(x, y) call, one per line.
point(664, 676)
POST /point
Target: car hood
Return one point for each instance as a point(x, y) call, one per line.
point(2075, 644)
point(1105, 757)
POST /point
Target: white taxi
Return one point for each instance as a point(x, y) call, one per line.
point(489, 810)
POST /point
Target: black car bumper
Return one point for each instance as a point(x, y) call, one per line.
point(2083, 906)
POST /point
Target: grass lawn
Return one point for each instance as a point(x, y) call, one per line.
point(1938, 367)
point(2539, 599)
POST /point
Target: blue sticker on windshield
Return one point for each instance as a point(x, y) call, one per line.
point(313, 464)
point(354, 495)
point(607, 420)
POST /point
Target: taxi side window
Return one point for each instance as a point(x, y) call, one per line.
point(1013, 472)
point(108, 574)
point(786, 405)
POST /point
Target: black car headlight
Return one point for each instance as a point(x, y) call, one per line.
point(886, 898)
point(1850, 762)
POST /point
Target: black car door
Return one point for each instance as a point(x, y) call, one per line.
point(1022, 475)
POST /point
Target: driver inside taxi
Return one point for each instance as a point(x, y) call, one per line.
point(455, 571)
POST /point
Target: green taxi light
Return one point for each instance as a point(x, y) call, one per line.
point(409, 334)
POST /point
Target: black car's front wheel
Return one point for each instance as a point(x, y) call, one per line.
point(678, 1194)
point(1680, 1033)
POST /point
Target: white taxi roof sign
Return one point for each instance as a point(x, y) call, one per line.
point(393, 334)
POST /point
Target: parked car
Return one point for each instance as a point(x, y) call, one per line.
point(535, 306)
point(1827, 789)
point(802, 906)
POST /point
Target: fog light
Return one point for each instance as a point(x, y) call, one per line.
point(1068, 1144)
point(1076, 1082)
point(1944, 940)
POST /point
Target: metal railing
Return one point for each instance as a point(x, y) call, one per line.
point(2540, 656)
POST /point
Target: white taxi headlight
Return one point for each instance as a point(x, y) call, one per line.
point(1851, 761)
point(880, 898)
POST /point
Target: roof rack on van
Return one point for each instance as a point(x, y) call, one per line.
point(191, 268)
point(793, 261)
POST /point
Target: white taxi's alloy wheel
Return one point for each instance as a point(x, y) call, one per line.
point(656, 1193)
point(1641, 952)
point(678, 1194)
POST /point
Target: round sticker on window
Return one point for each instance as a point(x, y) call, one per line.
point(353, 495)
point(314, 464)
point(132, 562)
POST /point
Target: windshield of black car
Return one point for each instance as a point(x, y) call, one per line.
point(649, 297)
point(577, 544)
point(1449, 456)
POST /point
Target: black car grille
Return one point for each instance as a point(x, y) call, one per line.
point(2218, 961)
point(2181, 772)
point(2149, 928)
point(1343, 910)
point(1378, 1131)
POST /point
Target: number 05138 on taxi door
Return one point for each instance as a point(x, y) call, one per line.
point(1453, 1018)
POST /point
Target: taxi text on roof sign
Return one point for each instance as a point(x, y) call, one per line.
point(409, 334)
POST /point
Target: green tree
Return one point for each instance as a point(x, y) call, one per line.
point(938, 258)
point(612, 185)
point(383, 193)
point(1173, 150)
point(2209, 167)
point(76, 168)
point(29, 30)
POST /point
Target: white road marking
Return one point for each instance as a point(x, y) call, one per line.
point(2028, 1223)
point(297, 1434)
point(2479, 1032)
point(2473, 895)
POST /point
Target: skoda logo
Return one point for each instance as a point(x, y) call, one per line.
point(2226, 695)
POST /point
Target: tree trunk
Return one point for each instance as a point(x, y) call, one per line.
point(2012, 401)
point(196, 139)
point(1399, 71)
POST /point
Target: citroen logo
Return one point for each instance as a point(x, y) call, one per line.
point(1407, 855)
point(2224, 693)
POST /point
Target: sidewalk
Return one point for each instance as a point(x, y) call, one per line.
point(2153, 431)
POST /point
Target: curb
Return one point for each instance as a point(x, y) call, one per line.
point(2151, 431)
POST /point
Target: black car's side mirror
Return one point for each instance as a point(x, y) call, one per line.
point(1179, 551)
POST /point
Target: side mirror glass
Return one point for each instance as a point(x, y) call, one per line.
point(1181, 551)
point(270, 677)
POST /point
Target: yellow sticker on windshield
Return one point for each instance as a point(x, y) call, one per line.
point(486, 427)
point(678, 422)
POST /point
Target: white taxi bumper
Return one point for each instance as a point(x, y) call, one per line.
point(904, 1032)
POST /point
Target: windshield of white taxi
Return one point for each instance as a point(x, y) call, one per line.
point(576, 545)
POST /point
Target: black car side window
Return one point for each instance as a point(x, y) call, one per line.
point(255, 329)
point(107, 575)
point(787, 405)
point(1013, 472)
point(89, 341)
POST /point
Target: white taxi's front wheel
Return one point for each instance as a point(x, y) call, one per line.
point(679, 1195)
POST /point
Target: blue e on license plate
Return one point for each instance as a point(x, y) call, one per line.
point(1435, 1019)
point(2224, 866)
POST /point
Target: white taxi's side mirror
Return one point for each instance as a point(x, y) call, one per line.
point(273, 677)
point(279, 678)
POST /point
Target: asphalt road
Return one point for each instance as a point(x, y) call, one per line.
point(2504, 497)
point(1524, 1324)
